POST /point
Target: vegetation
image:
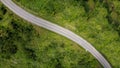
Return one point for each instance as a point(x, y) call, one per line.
point(98, 21)
point(23, 45)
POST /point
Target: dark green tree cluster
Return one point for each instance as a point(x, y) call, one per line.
point(2, 12)
point(113, 16)
point(7, 46)
point(12, 33)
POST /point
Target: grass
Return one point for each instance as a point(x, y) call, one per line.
point(23, 45)
point(89, 19)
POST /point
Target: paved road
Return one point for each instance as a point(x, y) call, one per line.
point(57, 29)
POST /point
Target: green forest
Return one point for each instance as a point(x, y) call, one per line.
point(25, 45)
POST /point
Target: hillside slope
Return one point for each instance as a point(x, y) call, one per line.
point(23, 45)
point(98, 21)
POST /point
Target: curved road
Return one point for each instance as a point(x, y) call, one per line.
point(57, 29)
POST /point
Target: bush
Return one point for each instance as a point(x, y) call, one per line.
point(30, 53)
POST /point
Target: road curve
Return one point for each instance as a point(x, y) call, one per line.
point(57, 29)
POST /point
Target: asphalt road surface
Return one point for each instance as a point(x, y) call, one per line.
point(57, 29)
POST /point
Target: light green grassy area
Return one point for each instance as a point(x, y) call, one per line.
point(23, 45)
point(98, 21)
